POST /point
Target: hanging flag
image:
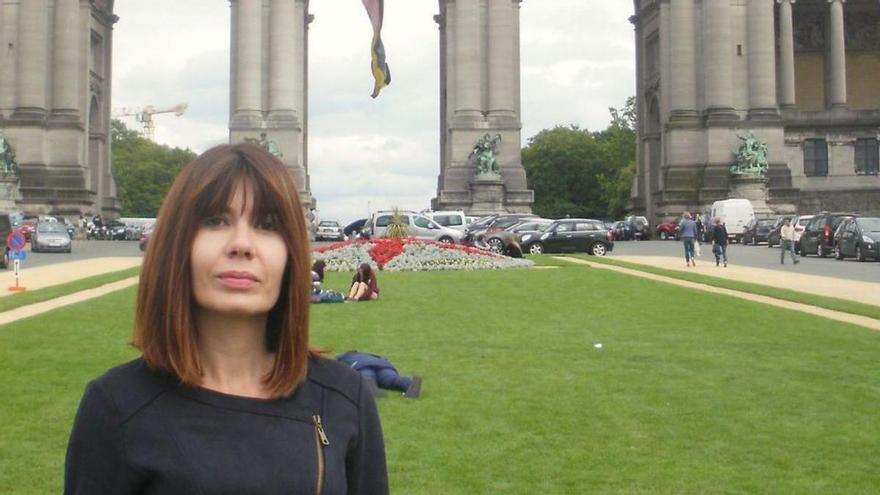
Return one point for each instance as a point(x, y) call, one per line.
point(381, 73)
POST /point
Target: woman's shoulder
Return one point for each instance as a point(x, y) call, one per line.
point(331, 374)
point(131, 385)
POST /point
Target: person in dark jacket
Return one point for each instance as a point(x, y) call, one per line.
point(381, 372)
point(227, 396)
point(719, 242)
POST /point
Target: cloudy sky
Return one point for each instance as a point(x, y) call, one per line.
point(577, 60)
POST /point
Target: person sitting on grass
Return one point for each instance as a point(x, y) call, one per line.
point(318, 275)
point(513, 249)
point(363, 285)
point(378, 371)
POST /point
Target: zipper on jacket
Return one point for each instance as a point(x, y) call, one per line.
point(321, 441)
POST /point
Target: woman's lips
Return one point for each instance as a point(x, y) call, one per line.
point(237, 280)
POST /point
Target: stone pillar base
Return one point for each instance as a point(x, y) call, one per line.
point(487, 194)
point(753, 189)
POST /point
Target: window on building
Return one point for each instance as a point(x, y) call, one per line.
point(867, 156)
point(815, 158)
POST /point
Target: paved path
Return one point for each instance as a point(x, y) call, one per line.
point(60, 273)
point(77, 297)
point(863, 321)
point(790, 278)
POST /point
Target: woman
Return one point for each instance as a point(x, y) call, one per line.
point(363, 285)
point(227, 396)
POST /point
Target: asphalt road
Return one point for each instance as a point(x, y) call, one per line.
point(759, 256)
point(753, 256)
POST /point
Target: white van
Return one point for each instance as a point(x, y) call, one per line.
point(735, 213)
point(454, 219)
point(418, 226)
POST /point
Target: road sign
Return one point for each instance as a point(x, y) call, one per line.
point(18, 255)
point(15, 240)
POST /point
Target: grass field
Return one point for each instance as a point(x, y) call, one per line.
point(719, 395)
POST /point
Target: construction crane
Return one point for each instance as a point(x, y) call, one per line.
point(145, 116)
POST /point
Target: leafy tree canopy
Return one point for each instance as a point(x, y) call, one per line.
point(143, 170)
point(580, 173)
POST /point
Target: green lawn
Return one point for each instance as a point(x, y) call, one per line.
point(718, 396)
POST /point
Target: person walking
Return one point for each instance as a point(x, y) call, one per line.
point(699, 240)
point(688, 233)
point(786, 242)
point(719, 242)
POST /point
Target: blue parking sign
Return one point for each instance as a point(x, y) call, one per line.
point(18, 255)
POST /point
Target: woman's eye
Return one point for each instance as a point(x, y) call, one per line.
point(214, 221)
point(268, 223)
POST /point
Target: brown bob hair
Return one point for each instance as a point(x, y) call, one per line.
point(164, 328)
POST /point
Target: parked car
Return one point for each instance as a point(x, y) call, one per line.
point(775, 233)
point(668, 230)
point(116, 230)
point(50, 236)
point(859, 238)
point(499, 239)
point(570, 235)
point(735, 213)
point(493, 223)
point(758, 230)
point(329, 229)
point(454, 219)
point(818, 236)
point(640, 227)
point(353, 229)
point(418, 226)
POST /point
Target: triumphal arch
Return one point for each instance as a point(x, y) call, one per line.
point(55, 98)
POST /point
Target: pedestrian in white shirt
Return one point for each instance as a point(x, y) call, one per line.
point(787, 238)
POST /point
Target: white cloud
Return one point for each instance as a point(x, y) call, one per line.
point(577, 60)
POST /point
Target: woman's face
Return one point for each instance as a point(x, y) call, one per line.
point(237, 263)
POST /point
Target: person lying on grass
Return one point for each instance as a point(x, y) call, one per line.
point(363, 285)
point(227, 396)
point(380, 373)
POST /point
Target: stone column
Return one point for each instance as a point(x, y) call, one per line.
point(32, 59)
point(786, 55)
point(65, 87)
point(248, 53)
point(501, 36)
point(283, 45)
point(718, 60)
point(300, 26)
point(468, 53)
point(761, 59)
point(837, 52)
point(683, 70)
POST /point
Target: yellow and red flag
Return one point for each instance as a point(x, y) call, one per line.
point(381, 73)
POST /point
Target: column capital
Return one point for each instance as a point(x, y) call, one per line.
point(832, 1)
point(787, 1)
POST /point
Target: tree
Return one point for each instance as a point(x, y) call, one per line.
point(582, 174)
point(143, 170)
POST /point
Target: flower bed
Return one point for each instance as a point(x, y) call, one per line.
point(412, 255)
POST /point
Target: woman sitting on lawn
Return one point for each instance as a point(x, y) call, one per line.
point(363, 285)
point(227, 396)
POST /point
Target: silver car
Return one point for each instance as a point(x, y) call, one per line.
point(418, 226)
point(329, 229)
point(50, 236)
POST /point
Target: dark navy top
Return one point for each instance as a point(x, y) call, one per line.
point(141, 432)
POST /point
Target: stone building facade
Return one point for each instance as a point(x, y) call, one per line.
point(479, 95)
point(268, 84)
point(55, 66)
point(803, 75)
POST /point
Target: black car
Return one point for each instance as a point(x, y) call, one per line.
point(570, 235)
point(758, 230)
point(858, 238)
point(776, 231)
point(818, 236)
point(354, 228)
point(116, 230)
